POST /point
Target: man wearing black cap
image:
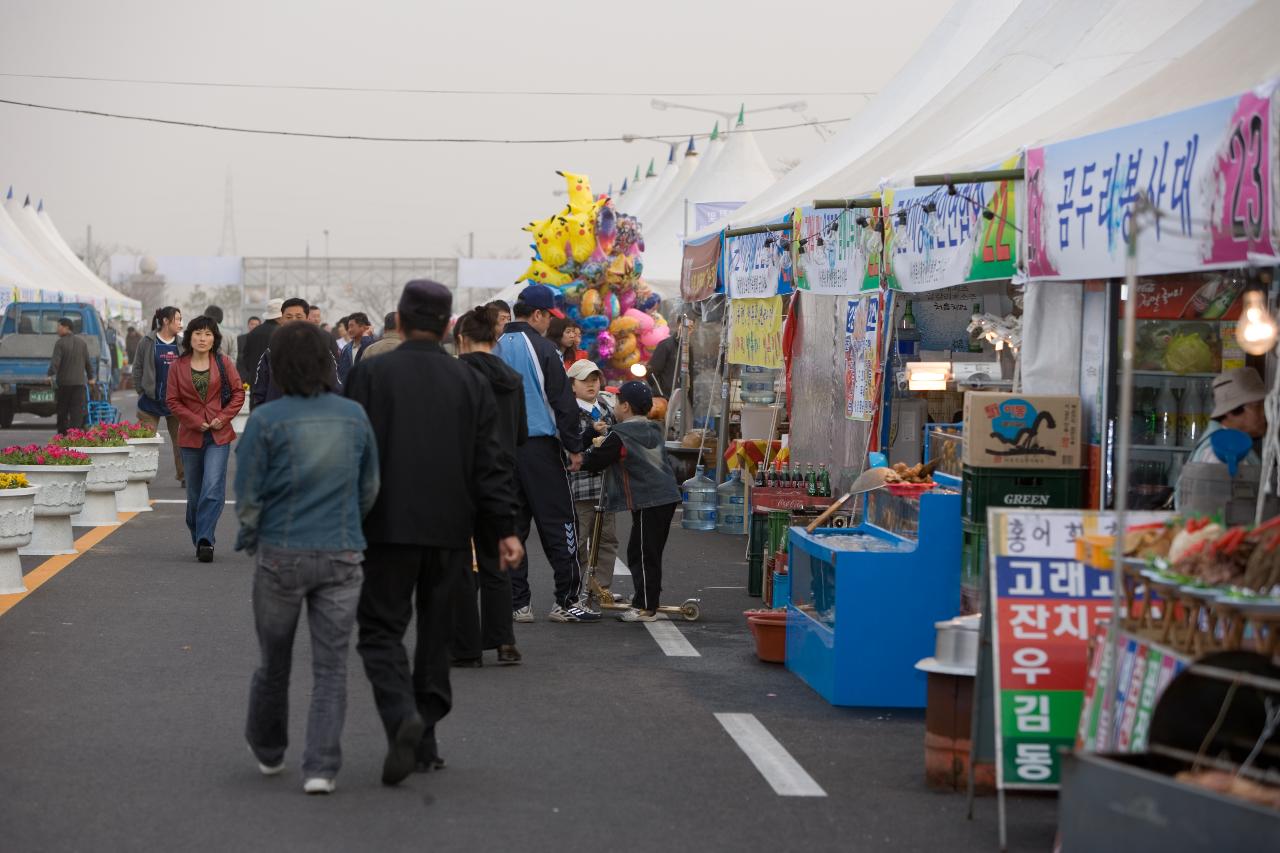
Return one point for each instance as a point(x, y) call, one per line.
point(435, 420)
point(541, 478)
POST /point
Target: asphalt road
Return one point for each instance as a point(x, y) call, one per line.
point(123, 683)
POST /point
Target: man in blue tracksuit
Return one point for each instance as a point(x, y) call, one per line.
point(541, 477)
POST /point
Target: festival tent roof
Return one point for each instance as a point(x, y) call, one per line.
point(664, 181)
point(640, 192)
point(1072, 58)
point(689, 164)
point(39, 271)
point(117, 301)
point(739, 171)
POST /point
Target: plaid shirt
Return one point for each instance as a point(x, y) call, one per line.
point(583, 485)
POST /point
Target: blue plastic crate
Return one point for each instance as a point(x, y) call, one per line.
point(101, 412)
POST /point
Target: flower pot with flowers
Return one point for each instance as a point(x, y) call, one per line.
point(144, 462)
point(107, 475)
point(60, 474)
point(17, 516)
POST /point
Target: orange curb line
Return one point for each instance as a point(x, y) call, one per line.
point(37, 577)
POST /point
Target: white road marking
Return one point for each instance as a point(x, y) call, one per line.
point(771, 758)
point(620, 568)
point(670, 640)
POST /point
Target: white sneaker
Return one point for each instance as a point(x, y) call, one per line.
point(319, 785)
point(637, 615)
point(524, 614)
point(267, 769)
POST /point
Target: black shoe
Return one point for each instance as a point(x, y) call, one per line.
point(508, 655)
point(402, 753)
point(428, 754)
point(467, 663)
point(204, 551)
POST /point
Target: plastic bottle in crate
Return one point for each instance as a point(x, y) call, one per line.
point(699, 502)
point(731, 504)
point(758, 385)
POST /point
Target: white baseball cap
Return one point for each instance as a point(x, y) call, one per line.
point(274, 309)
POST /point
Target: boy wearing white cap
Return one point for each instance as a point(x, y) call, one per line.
point(595, 413)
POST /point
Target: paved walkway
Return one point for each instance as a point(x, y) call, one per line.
point(123, 682)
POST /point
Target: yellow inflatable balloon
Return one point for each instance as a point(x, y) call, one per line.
point(543, 273)
point(590, 303)
point(624, 326)
point(581, 228)
point(544, 233)
point(624, 362)
point(580, 198)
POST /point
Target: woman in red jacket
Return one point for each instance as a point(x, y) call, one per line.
point(205, 392)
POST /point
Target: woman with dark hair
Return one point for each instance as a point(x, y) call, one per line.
point(492, 628)
point(205, 393)
point(306, 474)
point(155, 354)
point(566, 335)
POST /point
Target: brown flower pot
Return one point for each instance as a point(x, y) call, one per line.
point(770, 632)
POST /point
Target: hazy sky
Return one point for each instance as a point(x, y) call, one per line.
point(160, 189)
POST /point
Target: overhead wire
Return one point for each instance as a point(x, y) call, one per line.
point(396, 90)
point(479, 140)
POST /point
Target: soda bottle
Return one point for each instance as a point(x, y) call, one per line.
point(759, 481)
point(824, 482)
point(810, 481)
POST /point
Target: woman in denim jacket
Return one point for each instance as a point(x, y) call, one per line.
point(306, 475)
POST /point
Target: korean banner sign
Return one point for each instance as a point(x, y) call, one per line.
point(755, 332)
point(1207, 172)
point(1045, 605)
point(832, 255)
point(759, 265)
point(700, 268)
point(946, 241)
point(861, 357)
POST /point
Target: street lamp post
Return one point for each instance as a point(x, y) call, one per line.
point(727, 115)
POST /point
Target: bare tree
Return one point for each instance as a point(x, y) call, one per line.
point(98, 257)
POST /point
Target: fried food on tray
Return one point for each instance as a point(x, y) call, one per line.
point(901, 472)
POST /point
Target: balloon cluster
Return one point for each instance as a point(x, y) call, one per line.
point(590, 254)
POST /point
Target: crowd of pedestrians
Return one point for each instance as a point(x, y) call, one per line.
point(383, 482)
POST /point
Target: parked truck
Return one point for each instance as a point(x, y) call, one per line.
point(27, 336)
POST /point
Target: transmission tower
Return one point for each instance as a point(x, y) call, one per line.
point(228, 244)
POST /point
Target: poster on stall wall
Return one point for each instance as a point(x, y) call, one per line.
point(1207, 172)
point(758, 265)
point(946, 240)
point(832, 257)
point(1046, 604)
point(700, 268)
point(862, 326)
point(755, 332)
point(1145, 668)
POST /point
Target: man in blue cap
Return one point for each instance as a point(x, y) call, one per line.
point(542, 482)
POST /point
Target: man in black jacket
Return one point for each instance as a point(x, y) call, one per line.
point(257, 341)
point(541, 478)
point(435, 420)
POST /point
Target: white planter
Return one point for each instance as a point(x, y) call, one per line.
point(17, 517)
point(61, 496)
point(144, 462)
point(108, 474)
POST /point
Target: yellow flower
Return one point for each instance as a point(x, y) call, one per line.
point(13, 481)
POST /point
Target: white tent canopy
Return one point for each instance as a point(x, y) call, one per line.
point(117, 302)
point(738, 171)
point(689, 163)
point(663, 183)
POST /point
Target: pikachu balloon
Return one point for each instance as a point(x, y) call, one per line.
point(580, 198)
point(581, 232)
point(549, 249)
point(540, 272)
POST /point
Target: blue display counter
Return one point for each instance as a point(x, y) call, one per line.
point(887, 596)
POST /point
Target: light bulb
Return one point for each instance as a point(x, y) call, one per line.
point(1256, 332)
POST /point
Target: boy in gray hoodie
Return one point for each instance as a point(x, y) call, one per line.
point(638, 479)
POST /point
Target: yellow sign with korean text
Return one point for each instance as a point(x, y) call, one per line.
point(755, 332)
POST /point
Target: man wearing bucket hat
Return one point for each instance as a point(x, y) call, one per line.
point(1238, 396)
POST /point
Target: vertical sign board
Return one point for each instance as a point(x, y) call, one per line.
point(755, 332)
point(1145, 669)
point(1045, 604)
point(1207, 172)
point(862, 322)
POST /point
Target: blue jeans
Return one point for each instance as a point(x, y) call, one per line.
point(206, 471)
point(329, 582)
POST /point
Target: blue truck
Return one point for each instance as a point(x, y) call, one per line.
point(27, 336)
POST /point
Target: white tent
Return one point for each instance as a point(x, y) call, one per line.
point(689, 163)
point(69, 279)
point(659, 189)
point(739, 171)
point(996, 76)
point(39, 273)
point(117, 302)
point(640, 192)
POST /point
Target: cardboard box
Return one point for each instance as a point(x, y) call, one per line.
point(1021, 431)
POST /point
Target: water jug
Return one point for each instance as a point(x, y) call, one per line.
point(699, 502)
point(757, 385)
point(731, 504)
